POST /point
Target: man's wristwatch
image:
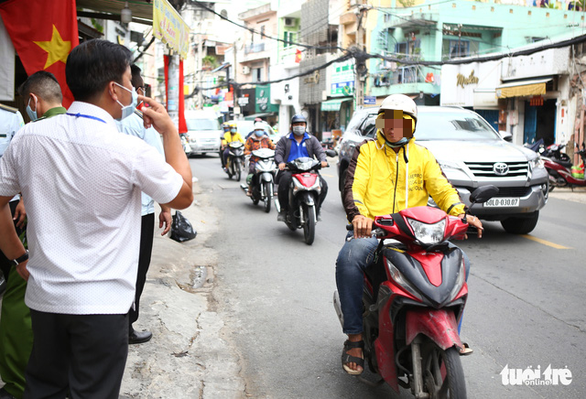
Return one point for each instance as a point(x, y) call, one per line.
point(20, 259)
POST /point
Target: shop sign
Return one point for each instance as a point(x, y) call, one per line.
point(369, 100)
point(342, 79)
point(169, 27)
point(312, 78)
point(462, 80)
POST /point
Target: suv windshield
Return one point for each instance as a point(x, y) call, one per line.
point(453, 126)
point(202, 124)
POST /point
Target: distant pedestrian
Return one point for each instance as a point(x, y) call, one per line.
point(82, 180)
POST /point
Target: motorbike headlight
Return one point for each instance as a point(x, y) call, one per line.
point(398, 277)
point(459, 282)
point(428, 233)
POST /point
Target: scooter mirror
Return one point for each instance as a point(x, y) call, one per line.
point(331, 153)
point(483, 194)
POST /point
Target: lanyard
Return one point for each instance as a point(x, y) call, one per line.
point(78, 115)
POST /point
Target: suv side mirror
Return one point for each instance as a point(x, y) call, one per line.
point(506, 136)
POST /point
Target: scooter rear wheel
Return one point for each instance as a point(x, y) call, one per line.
point(443, 374)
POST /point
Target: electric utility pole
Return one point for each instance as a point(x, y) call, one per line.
point(360, 69)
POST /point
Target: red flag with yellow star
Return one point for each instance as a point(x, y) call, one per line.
point(43, 33)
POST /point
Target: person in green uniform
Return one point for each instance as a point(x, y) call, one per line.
point(42, 96)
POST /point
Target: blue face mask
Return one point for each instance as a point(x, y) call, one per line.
point(31, 114)
point(259, 133)
point(232, 130)
point(397, 144)
point(127, 110)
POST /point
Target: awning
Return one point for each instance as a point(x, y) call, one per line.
point(333, 105)
point(142, 11)
point(261, 115)
point(522, 88)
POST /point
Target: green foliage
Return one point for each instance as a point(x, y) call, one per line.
point(97, 26)
point(210, 61)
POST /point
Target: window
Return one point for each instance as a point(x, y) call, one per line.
point(402, 49)
point(289, 39)
point(257, 74)
point(459, 48)
point(262, 31)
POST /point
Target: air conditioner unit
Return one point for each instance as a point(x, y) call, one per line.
point(246, 70)
point(289, 22)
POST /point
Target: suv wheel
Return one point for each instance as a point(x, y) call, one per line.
point(520, 225)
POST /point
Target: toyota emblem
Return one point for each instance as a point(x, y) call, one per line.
point(500, 169)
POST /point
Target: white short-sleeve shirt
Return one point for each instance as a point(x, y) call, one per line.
point(82, 182)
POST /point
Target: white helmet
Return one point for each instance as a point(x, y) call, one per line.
point(259, 126)
point(400, 102)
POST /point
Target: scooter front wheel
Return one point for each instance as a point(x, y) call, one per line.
point(309, 225)
point(237, 170)
point(268, 198)
point(443, 375)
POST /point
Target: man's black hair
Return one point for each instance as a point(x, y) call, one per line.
point(92, 65)
point(43, 84)
point(136, 80)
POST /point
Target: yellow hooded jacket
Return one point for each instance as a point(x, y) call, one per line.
point(381, 181)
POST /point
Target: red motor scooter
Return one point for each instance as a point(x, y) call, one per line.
point(414, 297)
point(560, 171)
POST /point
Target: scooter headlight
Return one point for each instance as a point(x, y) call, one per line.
point(398, 277)
point(428, 234)
point(459, 282)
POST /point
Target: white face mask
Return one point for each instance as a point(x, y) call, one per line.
point(127, 110)
point(298, 130)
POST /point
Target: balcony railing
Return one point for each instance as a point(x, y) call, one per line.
point(254, 48)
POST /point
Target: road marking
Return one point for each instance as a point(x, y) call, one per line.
point(323, 174)
point(549, 244)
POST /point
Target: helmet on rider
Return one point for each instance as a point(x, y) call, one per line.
point(233, 127)
point(226, 126)
point(259, 129)
point(397, 107)
point(296, 126)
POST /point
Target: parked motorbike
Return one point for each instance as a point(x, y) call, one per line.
point(263, 178)
point(413, 298)
point(560, 172)
point(235, 160)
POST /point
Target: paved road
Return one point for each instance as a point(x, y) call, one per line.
point(275, 296)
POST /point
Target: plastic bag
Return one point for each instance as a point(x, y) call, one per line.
point(181, 229)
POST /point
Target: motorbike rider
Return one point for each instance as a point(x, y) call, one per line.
point(296, 144)
point(229, 137)
point(386, 175)
point(259, 139)
point(225, 129)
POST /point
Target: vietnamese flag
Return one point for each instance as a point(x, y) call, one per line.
point(298, 54)
point(43, 34)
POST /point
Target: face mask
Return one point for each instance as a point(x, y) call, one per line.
point(127, 110)
point(232, 131)
point(298, 130)
point(32, 114)
point(259, 133)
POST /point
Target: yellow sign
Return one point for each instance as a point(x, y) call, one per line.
point(170, 28)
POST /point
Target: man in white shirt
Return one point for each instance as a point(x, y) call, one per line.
point(82, 181)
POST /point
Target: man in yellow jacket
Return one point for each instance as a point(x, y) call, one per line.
point(229, 137)
point(386, 175)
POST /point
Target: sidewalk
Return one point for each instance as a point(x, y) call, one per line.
point(578, 194)
point(187, 357)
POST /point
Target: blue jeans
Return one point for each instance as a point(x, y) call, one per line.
point(354, 257)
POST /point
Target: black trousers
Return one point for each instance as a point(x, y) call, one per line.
point(284, 180)
point(5, 264)
point(147, 228)
point(84, 355)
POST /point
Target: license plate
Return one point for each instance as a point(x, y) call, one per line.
point(502, 202)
